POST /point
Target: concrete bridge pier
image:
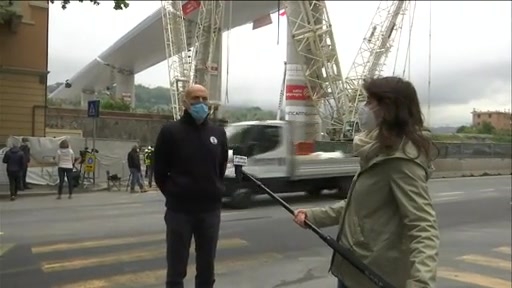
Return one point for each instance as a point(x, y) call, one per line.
point(87, 95)
point(125, 88)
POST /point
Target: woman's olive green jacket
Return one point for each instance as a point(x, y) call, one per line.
point(388, 221)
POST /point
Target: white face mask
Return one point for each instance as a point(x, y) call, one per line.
point(367, 120)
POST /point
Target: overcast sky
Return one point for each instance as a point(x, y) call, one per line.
point(471, 51)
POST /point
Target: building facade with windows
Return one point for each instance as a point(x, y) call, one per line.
point(23, 68)
point(501, 120)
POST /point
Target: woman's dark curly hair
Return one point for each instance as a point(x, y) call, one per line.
point(401, 115)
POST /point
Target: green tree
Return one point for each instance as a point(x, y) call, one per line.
point(486, 128)
point(115, 105)
point(462, 129)
point(118, 4)
point(51, 102)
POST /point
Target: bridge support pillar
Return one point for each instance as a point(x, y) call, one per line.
point(299, 107)
point(86, 95)
point(125, 88)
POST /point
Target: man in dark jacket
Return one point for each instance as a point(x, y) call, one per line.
point(25, 148)
point(189, 164)
point(15, 162)
point(135, 169)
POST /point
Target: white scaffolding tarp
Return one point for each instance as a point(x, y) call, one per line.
point(42, 170)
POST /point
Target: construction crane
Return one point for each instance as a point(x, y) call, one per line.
point(177, 52)
point(311, 30)
point(204, 49)
point(371, 58)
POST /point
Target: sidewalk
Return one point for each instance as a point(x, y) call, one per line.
point(46, 190)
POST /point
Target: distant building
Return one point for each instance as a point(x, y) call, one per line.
point(501, 120)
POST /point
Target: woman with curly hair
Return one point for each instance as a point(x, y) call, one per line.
point(387, 220)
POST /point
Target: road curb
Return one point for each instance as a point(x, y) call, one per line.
point(24, 194)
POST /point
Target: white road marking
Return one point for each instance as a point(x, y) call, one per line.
point(487, 190)
point(233, 213)
point(451, 193)
point(441, 199)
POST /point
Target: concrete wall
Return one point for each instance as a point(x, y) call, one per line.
point(142, 127)
point(449, 168)
point(23, 72)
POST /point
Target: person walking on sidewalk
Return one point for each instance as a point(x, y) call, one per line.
point(65, 159)
point(388, 219)
point(25, 148)
point(15, 161)
point(135, 169)
point(190, 162)
point(148, 162)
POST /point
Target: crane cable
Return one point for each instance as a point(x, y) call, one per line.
point(398, 44)
point(429, 61)
point(407, 65)
point(226, 97)
point(278, 20)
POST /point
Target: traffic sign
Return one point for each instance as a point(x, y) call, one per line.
point(93, 108)
point(90, 163)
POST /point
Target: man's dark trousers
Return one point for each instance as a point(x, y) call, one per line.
point(181, 227)
point(14, 182)
point(24, 171)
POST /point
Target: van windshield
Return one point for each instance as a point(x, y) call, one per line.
point(237, 134)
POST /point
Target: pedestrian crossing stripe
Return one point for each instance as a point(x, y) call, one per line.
point(97, 243)
point(480, 280)
point(4, 247)
point(53, 261)
point(504, 250)
point(487, 261)
point(126, 256)
point(155, 277)
point(472, 278)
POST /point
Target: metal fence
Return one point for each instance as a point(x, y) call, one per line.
point(446, 149)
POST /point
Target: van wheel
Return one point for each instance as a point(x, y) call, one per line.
point(343, 188)
point(240, 199)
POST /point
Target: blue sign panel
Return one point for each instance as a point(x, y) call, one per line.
point(93, 108)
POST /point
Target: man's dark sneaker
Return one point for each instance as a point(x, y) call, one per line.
point(28, 188)
point(13, 198)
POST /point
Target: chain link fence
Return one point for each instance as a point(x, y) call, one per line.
point(446, 149)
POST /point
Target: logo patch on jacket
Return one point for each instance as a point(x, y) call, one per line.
point(213, 140)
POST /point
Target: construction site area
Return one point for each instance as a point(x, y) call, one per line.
point(107, 237)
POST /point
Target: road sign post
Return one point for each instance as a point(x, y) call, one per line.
point(93, 111)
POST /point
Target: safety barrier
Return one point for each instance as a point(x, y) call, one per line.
point(446, 149)
point(449, 168)
point(455, 159)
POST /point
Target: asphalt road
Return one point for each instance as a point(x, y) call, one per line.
point(116, 240)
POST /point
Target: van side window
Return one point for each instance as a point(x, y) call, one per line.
point(268, 138)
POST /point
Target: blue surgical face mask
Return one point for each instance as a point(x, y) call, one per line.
point(199, 111)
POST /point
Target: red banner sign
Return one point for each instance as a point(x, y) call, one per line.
point(190, 6)
point(297, 93)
